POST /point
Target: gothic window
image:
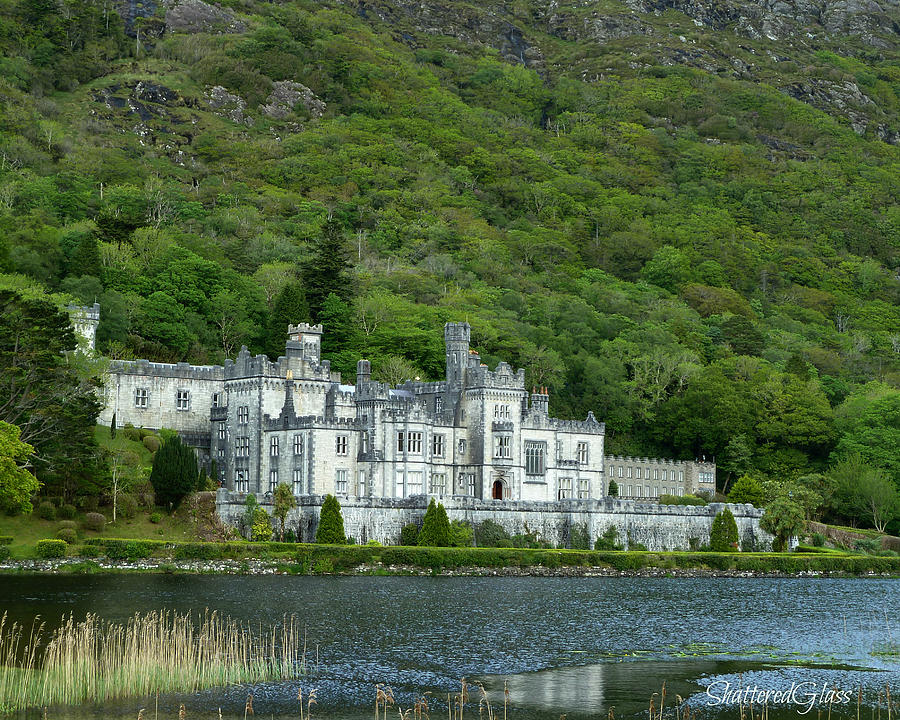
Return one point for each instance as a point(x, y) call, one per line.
point(222, 431)
point(565, 488)
point(582, 453)
point(141, 398)
point(297, 481)
point(273, 447)
point(471, 484)
point(340, 481)
point(535, 454)
point(241, 483)
point(437, 445)
point(340, 445)
point(438, 484)
point(273, 480)
point(502, 446)
point(298, 444)
point(583, 488)
point(414, 482)
point(414, 442)
point(243, 415)
point(361, 484)
point(438, 404)
point(401, 445)
point(242, 447)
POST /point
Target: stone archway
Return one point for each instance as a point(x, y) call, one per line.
point(497, 490)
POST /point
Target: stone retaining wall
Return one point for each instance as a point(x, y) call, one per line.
point(658, 527)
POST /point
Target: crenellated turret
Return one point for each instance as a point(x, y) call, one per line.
point(456, 343)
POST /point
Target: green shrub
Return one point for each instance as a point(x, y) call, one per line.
point(89, 550)
point(461, 533)
point(6, 540)
point(88, 503)
point(261, 530)
point(47, 510)
point(145, 495)
point(95, 521)
point(409, 534)
point(66, 512)
point(5, 552)
point(51, 548)
point(435, 527)
point(132, 433)
point(747, 489)
point(681, 500)
point(723, 536)
point(331, 523)
point(151, 442)
point(491, 534)
point(155, 517)
point(609, 540)
point(818, 540)
point(174, 472)
point(67, 535)
point(867, 546)
point(67, 525)
point(146, 432)
point(579, 537)
point(127, 506)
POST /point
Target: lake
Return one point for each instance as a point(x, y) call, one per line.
point(573, 646)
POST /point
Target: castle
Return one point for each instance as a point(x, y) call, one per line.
point(478, 433)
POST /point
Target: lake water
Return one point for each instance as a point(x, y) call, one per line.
point(573, 646)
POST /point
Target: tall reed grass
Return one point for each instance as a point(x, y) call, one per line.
point(95, 660)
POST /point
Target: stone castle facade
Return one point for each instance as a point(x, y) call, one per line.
point(478, 433)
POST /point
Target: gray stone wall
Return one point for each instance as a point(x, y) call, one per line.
point(658, 527)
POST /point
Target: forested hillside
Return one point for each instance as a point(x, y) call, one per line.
point(681, 216)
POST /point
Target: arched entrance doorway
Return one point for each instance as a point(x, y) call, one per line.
point(497, 490)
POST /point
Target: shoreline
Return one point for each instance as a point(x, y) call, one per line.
point(91, 566)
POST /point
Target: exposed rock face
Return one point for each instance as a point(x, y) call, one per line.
point(286, 95)
point(192, 16)
point(600, 27)
point(227, 105)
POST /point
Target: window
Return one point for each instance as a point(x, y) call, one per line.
point(584, 490)
point(242, 447)
point(401, 445)
point(502, 446)
point(241, 483)
point(340, 481)
point(582, 453)
point(637, 473)
point(470, 484)
point(243, 414)
point(364, 443)
point(656, 474)
point(400, 490)
point(216, 400)
point(298, 445)
point(414, 482)
point(414, 442)
point(273, 447)
point(630, 491)
point(438, 404)
point(681, 476)
point(621, 470)
point(297, 481)
point(705, 477)
point(648, 491)
point(501, 412)
point(437, 445)
point(629, 471)
point(361, 484)
point(665, 474)
point(273, 480)
point(438, 484)
point(340, 445)
point(141, 398)
point(565, 488)
point(222, 431)
point(656, 491)
point(535, 453)
point(612, 471)
point(461, 447)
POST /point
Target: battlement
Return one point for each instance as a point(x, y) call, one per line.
point(307, 422)
point(658, 462)
point(503, 377)
point(303, 329)
point(167, 370)
point(589, 426)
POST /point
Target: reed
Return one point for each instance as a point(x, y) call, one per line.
point(96, 660)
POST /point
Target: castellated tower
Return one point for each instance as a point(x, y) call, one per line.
point(85, 321)
point(456, 342)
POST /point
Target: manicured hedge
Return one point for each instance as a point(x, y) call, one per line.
point(312, 558)
point(51, 548)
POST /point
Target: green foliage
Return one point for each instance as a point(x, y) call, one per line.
point(613, 490)
point(723, 535)
point(67, 535)
point(95, 521)
point(461, 533)
point(66, 511)
point(46, 510)
point(331, 523)
point(747, 489)
point(681, 500)
point(261, 529)
point(17, 484)
point(6, 539)
point(818, 540)
point(862, 492)
point(284, 502)
point(174, 472)
point(608, 540)
point(783, 519)
point(579, 537)
point(409, 534)
point(51, 549)
point(155, 518)
point(490, 533)
point(435, 527)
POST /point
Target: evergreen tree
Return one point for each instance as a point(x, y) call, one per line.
point(290, 308)
point(326, 272)
point(747, 489)
point(174, 472)
point(86, 258)
point(435, 527)
point(723, 536)
point(112, 428)
point(284, 503)
point(331, 523)
point(613, 490)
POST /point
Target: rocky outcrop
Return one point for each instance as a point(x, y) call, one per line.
point(227, 105)
point(194, 16)
point(286, 96)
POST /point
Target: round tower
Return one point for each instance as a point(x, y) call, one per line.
point(456, 343)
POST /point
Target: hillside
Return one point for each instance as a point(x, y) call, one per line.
point(681, 215)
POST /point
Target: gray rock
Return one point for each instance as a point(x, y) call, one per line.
point(193, 16)
point(227, 105)
point(287, 95)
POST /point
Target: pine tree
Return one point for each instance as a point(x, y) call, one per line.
point(290, 308)
point(331, 523)
point(112, 428)
point(723, 536)
point(326, 272)
point(174, 472)
point(613, 490)
point(435, 527)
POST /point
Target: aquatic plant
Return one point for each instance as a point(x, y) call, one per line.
point(96, 660)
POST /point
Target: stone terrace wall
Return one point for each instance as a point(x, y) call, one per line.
point(659, 527)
